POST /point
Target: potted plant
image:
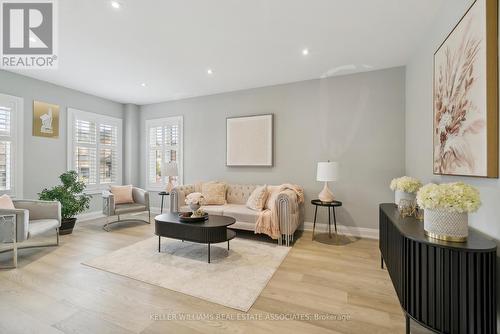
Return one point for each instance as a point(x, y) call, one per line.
point(70, 195)
point(446, 209)
point(405, 187)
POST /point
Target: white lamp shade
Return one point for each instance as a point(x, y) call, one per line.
point(327, 171)
point(170, 169)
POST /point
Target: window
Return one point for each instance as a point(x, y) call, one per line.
point(94, 148)
point(11, 145)
point(164, 145)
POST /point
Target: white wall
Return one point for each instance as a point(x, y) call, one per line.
point(131, 142)
point(45, 158)
point(357, 120)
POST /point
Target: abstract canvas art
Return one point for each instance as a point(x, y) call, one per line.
point(45, 119)
point(249, 141)
point(465, 97)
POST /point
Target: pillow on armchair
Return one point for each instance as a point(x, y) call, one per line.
point(214, 193)
point(123, 194)
point(6, 202)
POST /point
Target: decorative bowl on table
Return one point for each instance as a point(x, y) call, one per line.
point(190, 217)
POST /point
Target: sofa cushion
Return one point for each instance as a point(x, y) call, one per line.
point(257, 200)
point(213, 193)
point(241, 213)
point(40, 226)
point(216, 210)
point(239, 193)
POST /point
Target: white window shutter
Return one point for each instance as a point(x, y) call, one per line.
point(95, 142)
point(164, 145)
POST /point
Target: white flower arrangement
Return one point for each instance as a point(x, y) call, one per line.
point(407, 184)
point(194, 199)
point(453, 197)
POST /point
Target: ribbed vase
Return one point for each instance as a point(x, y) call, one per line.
point(445, 225)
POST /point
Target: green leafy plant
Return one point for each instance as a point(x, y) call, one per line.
point(69, 194)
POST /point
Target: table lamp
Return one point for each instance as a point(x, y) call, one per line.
point(170, 170)
point(327, 172)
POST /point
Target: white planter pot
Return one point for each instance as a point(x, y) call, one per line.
point(399, 195)
point(444, 225)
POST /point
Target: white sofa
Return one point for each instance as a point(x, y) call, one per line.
point(289, 211)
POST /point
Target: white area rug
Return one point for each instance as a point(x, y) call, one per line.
point(234, 279)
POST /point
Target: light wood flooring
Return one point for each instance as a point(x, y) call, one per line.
point(52, 292)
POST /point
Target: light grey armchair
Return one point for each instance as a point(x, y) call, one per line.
point(29, 219)
point(110, 209)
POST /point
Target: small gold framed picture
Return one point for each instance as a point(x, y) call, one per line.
point(45, 119)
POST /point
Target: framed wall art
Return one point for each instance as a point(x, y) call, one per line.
point(249, 141)
point(465, 99)
point(45, 119)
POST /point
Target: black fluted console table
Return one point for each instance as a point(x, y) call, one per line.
point(447, 287)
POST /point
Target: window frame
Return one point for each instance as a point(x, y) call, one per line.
point(98, 119)
point(157, 122)
point(17, 140)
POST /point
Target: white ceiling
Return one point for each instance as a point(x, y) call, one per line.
point(170, 44)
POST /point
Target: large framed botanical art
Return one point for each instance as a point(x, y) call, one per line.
point(465, 99)
point(249, 141)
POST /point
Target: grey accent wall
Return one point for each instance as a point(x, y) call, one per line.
point(45, 158)
point(419, 123)
point(357, 120)
point(131, 139)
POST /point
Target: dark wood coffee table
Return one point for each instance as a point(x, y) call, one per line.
point(211, 231)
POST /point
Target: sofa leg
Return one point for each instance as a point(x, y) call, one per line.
point(57, 236)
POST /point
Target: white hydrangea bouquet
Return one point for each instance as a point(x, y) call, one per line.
point(405, 187)
point(446, 208)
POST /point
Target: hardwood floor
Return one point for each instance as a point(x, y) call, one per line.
point(52, 292)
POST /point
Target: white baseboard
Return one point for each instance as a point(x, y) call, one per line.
point(354, 231)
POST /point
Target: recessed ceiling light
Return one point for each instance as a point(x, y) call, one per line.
point(143, 84)
point(210, 72)
point(305, 52)
point(115, 4)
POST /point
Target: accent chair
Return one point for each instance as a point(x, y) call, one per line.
point(29, 219)
point(140, 204)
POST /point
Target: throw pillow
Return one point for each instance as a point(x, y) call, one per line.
point(6, 202)
point(257, 200)
point(123, 194)
point(214, 193)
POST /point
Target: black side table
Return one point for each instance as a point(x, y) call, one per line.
point(162, 194)
point(329, 205)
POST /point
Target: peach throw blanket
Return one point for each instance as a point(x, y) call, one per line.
point(268, 221)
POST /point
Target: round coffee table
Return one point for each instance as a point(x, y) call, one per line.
point(211, 231)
